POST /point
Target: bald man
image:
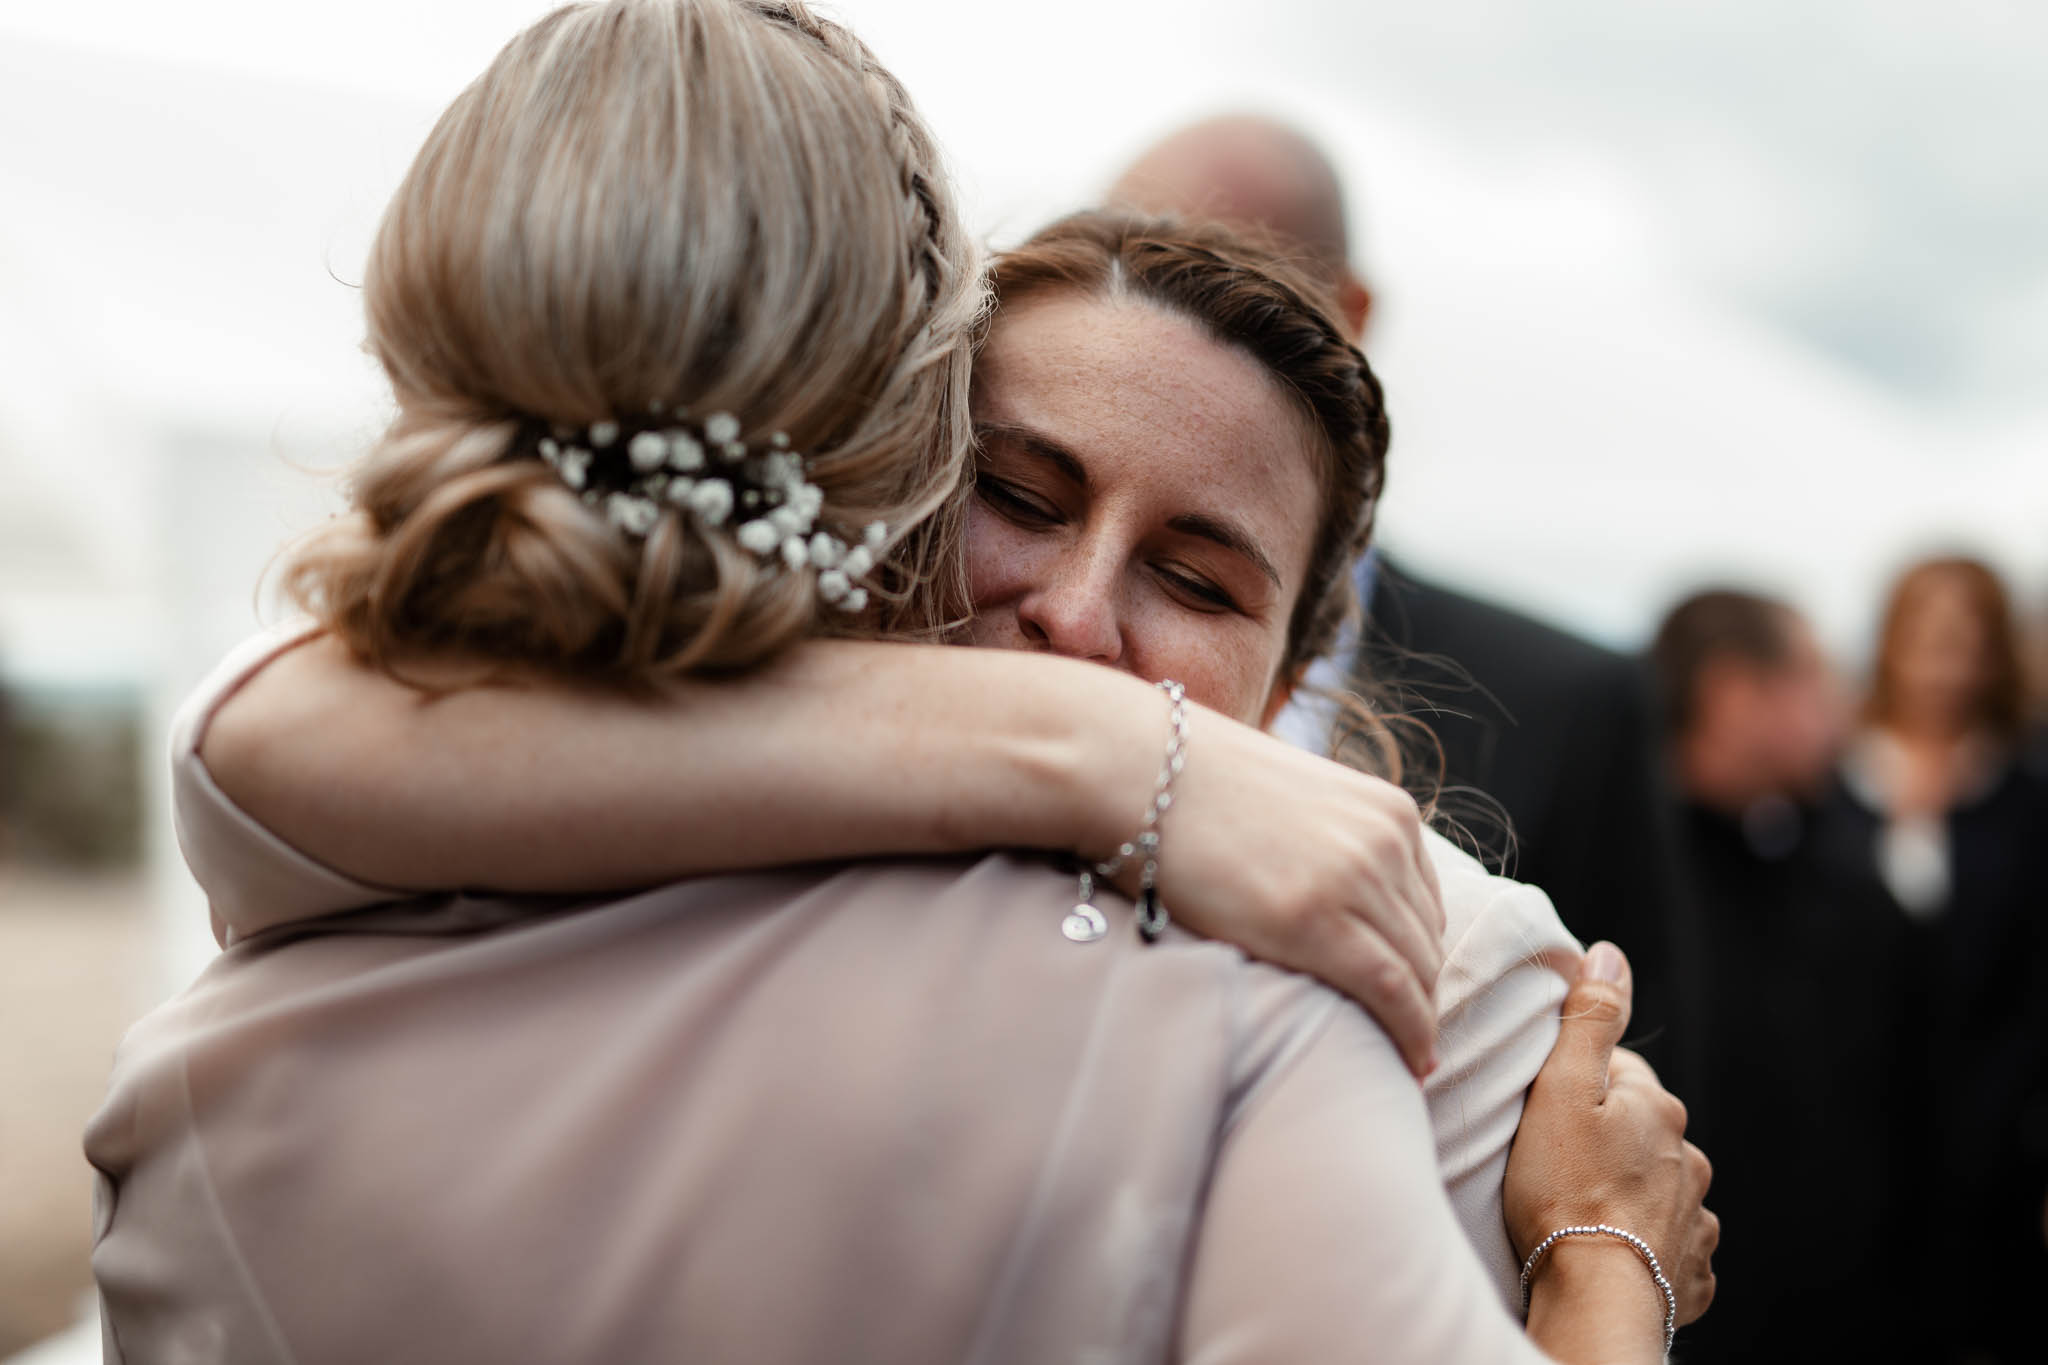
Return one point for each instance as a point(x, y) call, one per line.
point(1553, 728)
point(1254, 173)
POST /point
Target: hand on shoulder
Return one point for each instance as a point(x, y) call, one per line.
point(1602, 1142)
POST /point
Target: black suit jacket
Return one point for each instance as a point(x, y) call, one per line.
point(1808, 1099)
point(1556, 731)
point(1977, 1014)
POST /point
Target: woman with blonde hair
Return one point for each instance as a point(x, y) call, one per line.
point(888, 1111)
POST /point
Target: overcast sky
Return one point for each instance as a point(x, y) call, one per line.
point(1866, 173)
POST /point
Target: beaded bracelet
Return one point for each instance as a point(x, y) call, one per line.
point(1084, 923)
point(1642, 1249)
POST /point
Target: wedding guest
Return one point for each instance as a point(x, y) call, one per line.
point(1754, 716)
point(1801, 969)
point(1951, 822)
point(1552, 728)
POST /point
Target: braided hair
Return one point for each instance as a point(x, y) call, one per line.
point(713, 206)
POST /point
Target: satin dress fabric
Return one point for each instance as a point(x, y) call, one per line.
point(883, 1111)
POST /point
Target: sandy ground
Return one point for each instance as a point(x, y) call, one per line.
point(74, 954)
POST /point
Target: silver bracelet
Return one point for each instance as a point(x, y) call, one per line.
point(1642, 1249)
point(1084, 923)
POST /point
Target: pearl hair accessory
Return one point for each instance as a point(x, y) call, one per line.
point(1642, 1249)
point(708, 471)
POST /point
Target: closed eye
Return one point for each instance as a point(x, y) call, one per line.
point(1014, 503)
point(1198, 592)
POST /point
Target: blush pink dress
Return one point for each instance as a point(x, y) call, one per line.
point(880, 1112)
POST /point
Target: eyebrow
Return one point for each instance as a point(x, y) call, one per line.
point(1216, 530)
point(1230, 536)
point(1036, 443)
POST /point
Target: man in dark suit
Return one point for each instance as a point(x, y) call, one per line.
point(1554, 729)
point(1811, 1094)
point(1551, 729)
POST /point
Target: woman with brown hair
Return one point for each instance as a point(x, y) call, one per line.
point(1948, 819)
point(757, 1116)
point(1945, 718)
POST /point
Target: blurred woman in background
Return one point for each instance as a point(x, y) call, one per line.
point(1951, 823)
point(1945, 721)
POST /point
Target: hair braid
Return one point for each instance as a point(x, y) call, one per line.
point(1251, 301)
point(936, 254)
point(947, 303)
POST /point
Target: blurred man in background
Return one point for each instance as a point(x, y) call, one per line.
point(1804, 1094)
point(1754, 717)
point(1552, 729)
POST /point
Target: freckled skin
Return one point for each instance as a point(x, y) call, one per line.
point(1165, 423)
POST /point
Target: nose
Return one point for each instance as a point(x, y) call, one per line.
point(1074, 610)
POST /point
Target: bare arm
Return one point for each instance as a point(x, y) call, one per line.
point(838, 750)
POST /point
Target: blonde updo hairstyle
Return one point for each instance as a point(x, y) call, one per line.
point(710, 205)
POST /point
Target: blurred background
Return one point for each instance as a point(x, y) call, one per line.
point(1732, 292)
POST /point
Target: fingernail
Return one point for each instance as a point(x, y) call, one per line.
point(1603, 963)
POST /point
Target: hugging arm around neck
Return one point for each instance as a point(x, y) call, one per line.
point(838, 749)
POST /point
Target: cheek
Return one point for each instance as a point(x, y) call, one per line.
point(1227, 662)
point(1002, 559)
point(1003, 562)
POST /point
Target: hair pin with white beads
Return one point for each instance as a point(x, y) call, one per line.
point(706, 470)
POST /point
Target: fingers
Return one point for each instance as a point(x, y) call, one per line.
point(1628, 1066)
point(1386, 949)
point(1393, 862)
point(1696, 1291)
point(1594, 1017)
point(1362, 965)
point(1440, 920)
point(1626, 1070)
point(1699, 1169)
point(1392, 903)
point(1696, 1287)
point(1693, 1304)
point(1408, 819)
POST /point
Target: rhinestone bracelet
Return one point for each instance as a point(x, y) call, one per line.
point(1642, 1249)
point(1084, 923)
